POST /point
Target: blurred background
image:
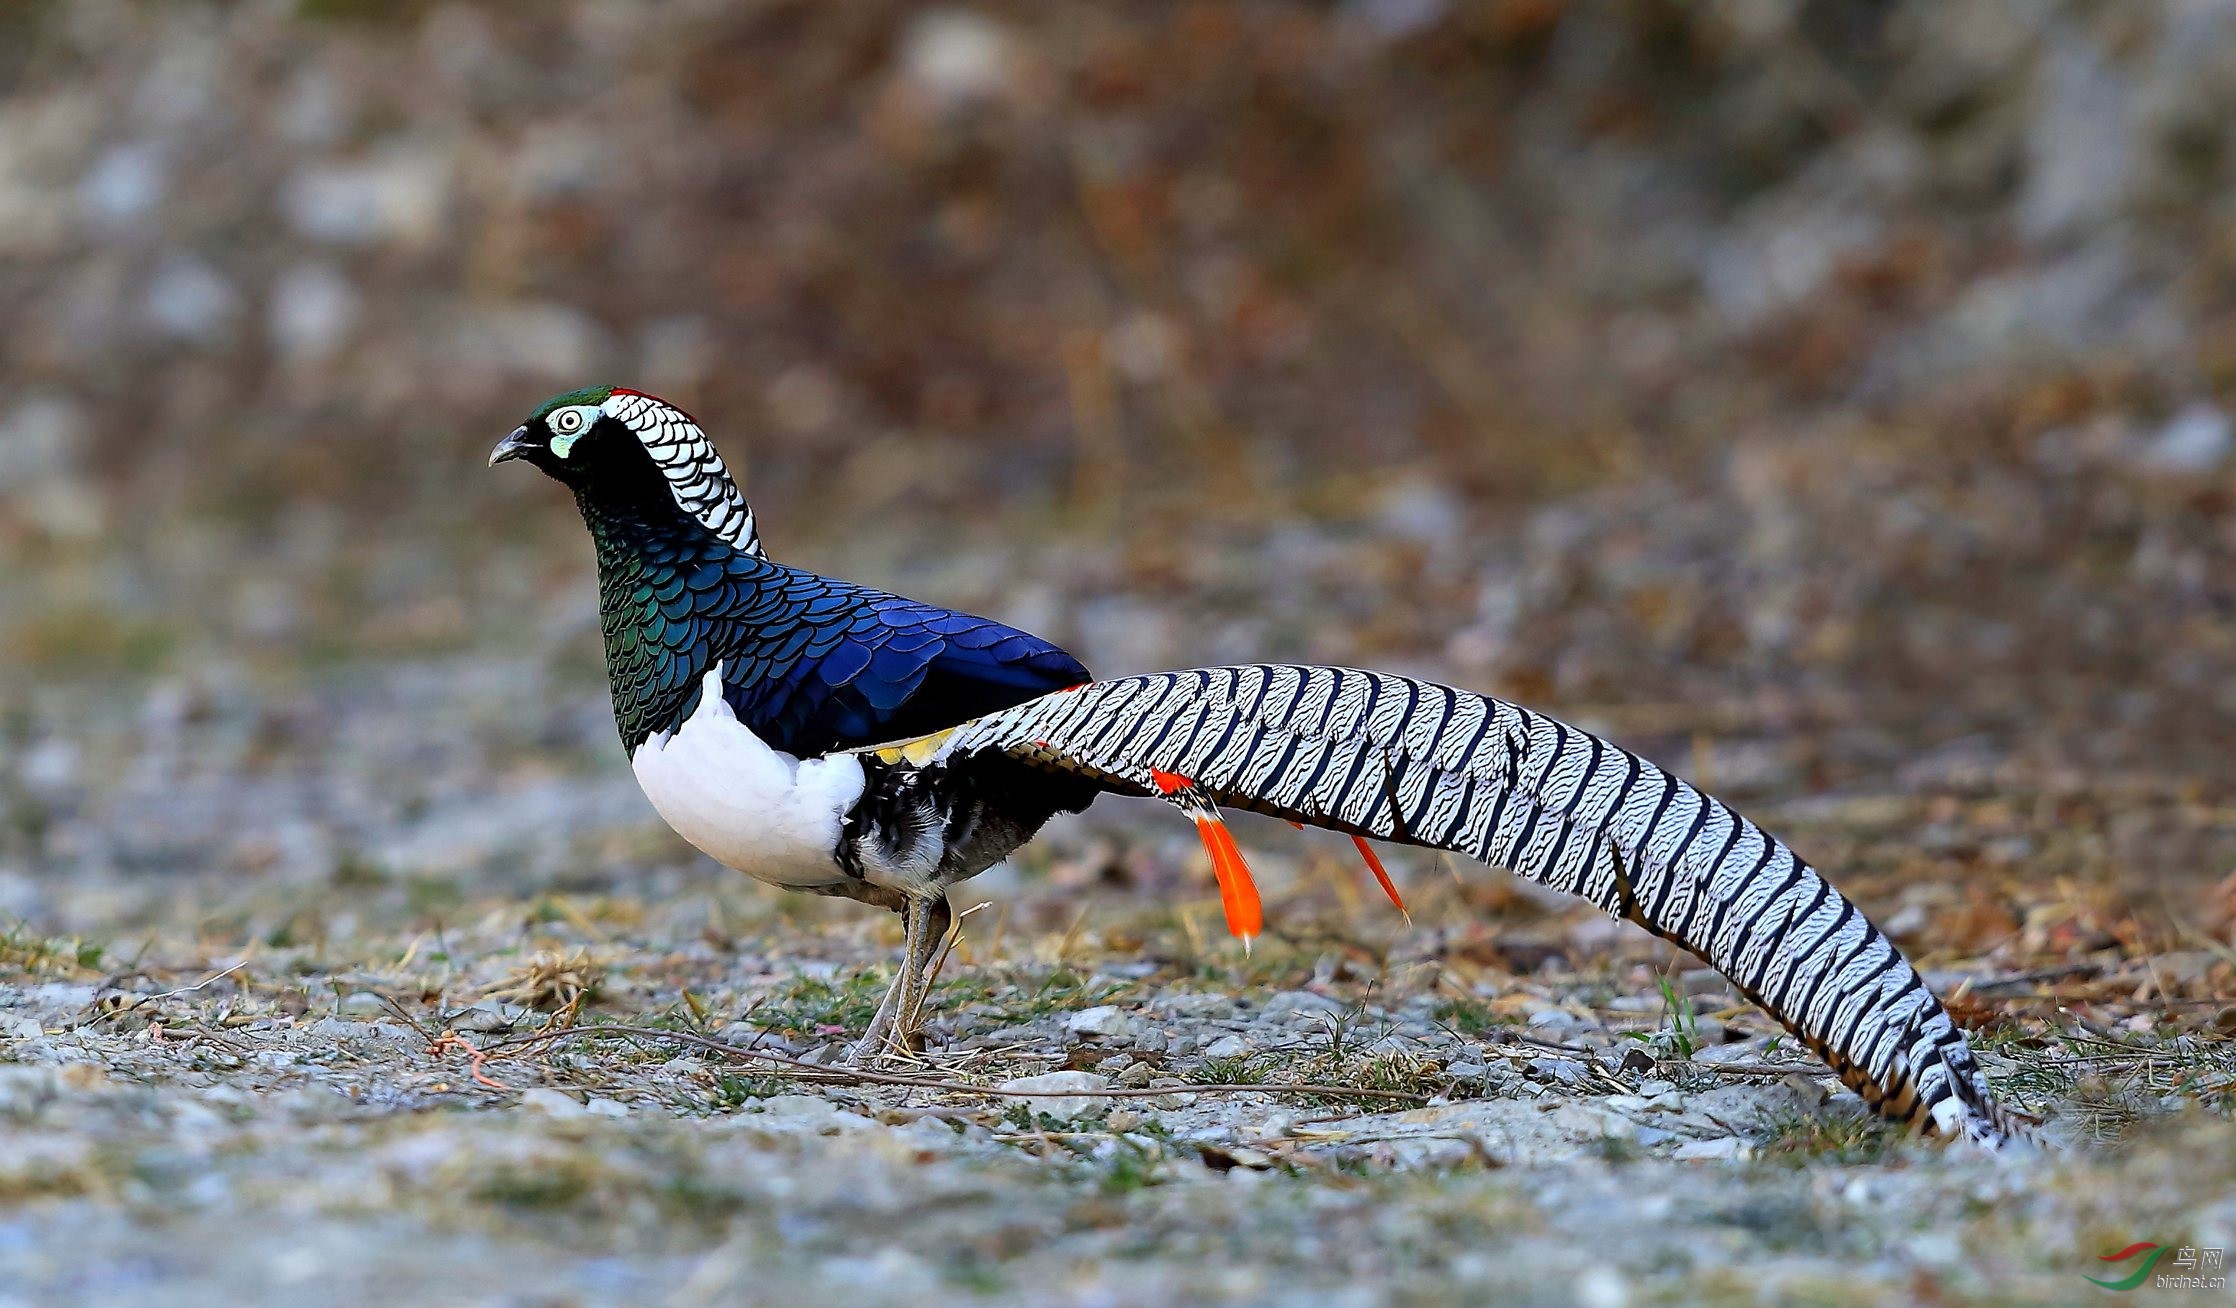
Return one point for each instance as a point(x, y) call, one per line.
point(1830, 399)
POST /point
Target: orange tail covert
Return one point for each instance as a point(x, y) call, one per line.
point(1238, 893)
point(1381, 874)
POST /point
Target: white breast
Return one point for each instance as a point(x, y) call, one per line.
point(745, 805)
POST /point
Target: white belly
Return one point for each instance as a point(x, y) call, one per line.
point(745, 805)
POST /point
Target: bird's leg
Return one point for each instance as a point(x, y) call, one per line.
point(905, 995)
point(872, 1042)
point(937, 917)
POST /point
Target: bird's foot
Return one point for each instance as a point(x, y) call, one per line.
point(875, 1047)
point(871, 1047)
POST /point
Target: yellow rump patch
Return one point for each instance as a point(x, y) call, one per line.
point(917, 752)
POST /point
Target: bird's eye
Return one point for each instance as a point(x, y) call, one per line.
point(568, 421)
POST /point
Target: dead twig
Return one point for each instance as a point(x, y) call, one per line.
point(1759, 1069)
point(210, 980)
point(828, 1075)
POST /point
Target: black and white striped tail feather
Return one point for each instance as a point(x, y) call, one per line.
point(1419, 763)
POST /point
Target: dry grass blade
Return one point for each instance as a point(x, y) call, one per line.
point(550, 982)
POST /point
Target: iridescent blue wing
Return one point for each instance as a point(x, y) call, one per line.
point(817, 664)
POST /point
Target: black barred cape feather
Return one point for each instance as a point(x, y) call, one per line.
point(1423, 764)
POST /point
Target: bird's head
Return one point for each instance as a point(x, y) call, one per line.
point(627, 451)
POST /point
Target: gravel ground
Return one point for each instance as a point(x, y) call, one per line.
point(401, 1086)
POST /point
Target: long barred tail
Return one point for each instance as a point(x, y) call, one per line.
point(1424, 764)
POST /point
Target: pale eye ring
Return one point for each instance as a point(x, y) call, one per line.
point(567, 421)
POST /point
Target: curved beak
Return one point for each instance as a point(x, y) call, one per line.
point(514, 446)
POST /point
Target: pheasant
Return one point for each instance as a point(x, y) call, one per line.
point(826, 737)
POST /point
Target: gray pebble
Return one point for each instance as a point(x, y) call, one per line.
point(481, 1019)
point(362, 1003)
point(551, 1103)
point(1103, 1021)
point(1057, 1093)
point(1563, 1070)
point(1294, 1003)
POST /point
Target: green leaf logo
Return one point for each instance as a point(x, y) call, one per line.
point(2142, 1273)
